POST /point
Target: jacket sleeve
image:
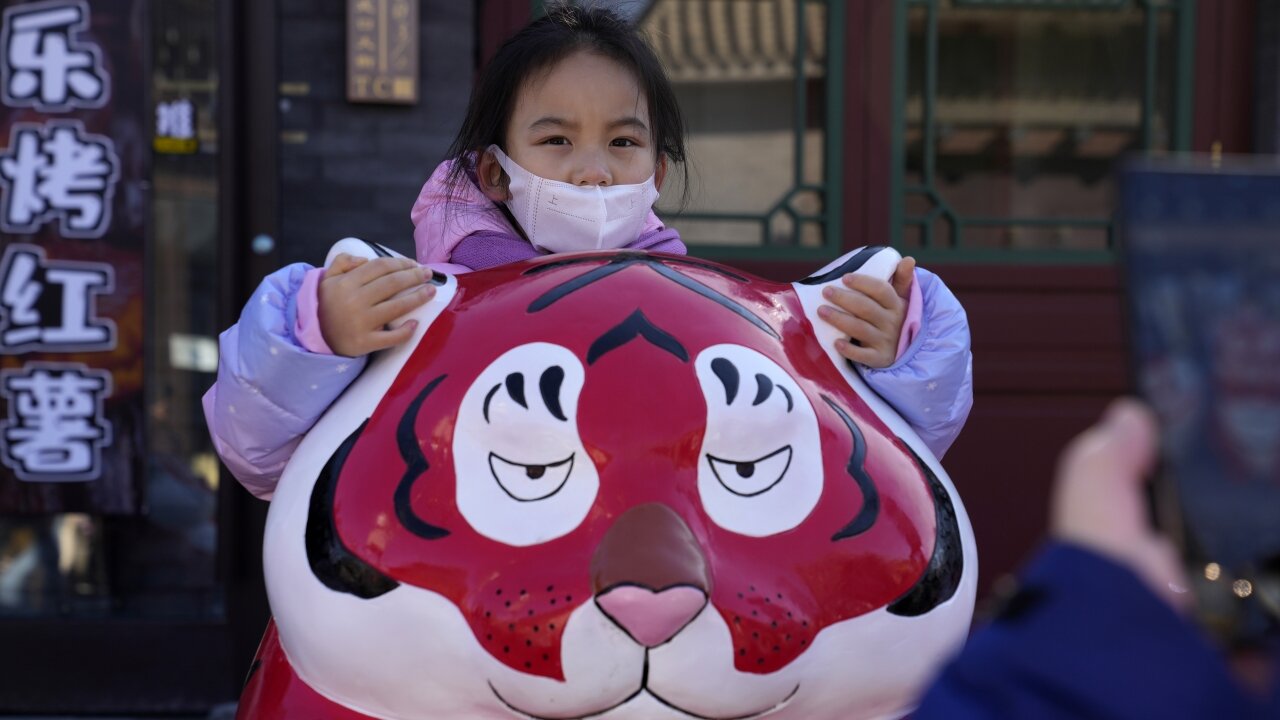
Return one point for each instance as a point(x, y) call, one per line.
point(270, 390)
point(931, 384)
point(1084, 638)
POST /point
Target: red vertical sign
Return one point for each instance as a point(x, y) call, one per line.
point(73, 217)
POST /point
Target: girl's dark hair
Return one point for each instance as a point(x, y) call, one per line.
point(565, 29)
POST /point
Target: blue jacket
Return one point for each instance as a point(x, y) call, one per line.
point(270, 390)
point(1084, 638)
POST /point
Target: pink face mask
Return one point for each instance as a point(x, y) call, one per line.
point(562, 217)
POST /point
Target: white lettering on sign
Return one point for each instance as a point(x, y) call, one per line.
point(51, 304)
point(56, 427)
point(58, 171)
point(45, 65)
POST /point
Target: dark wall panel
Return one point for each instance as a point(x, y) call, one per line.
point(352, 169)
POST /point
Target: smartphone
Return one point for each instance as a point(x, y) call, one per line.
point(1200, 247)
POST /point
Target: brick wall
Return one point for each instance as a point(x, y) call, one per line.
point(354, 169)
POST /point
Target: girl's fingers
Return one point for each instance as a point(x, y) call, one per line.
point(386, 286)
point(861, 355)
point(383, 339)
point(403, 303)
point(342, 264)
point(864, 332)
point(878, 290)
point(857, 304)
point(903, 277)
point(376, 268)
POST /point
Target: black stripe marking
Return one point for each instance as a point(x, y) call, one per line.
point(488, 397)
point(415, 466)
point(549, 385)
point(515, 388)
point(790, 403)
point(866, 517)
point(377, 249)
point(942, 576)
point(714, 296)
point(331, 561)
point(859, 259)
point(728, 375)
point(562, 290)
point(702, 266)
point(626, 331)
point(621, 261)
point(764, 388)
point(628, 257)
point(636, 258)
point(253, 670)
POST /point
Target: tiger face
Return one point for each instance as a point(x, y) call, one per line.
point(614, 485)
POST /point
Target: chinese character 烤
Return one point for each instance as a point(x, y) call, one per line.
point(64, 319)
point(58, 170)
point(56, 429)
point(45, 65)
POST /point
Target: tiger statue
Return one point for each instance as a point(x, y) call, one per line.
point(612, 485)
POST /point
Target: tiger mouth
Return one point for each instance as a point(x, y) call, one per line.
point(644, 690)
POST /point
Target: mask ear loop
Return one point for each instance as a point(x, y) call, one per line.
point(506, 213)
point(502, 207)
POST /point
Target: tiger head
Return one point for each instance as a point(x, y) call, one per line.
point(617, 485)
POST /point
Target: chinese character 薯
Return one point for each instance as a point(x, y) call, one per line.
point(58, 170)
point(64, 320)
point(56, 429)
point(45, 66)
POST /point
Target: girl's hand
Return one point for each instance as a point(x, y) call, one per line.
point(358, 297)
point(871, 313)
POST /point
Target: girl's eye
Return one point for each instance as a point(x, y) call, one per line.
point(556, 141)
point(625, 142)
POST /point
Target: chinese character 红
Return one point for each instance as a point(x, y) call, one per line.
point(56, 429)
point(64, 320)
point(58, 170)
point(45, 66)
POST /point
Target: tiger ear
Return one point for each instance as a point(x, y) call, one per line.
point(874, 260)
point(359, 248)
point(424, 315)
point(878, 261)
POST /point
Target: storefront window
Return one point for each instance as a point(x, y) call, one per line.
point(754, 80)
point(1010, 118)
point(135, 536)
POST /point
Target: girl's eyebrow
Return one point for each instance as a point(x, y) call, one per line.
point(551, 121)
point(631, 121)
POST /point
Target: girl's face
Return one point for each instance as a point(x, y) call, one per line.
point(584, 122)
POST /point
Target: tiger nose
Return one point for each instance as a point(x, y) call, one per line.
point(652, 617)
point(649, 574)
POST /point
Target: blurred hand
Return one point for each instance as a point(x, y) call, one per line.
point(358, 297)
point(871, 313)
point(1098, 499)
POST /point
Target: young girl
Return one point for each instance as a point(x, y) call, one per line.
point(574, 111)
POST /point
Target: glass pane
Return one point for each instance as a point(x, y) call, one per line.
point(1007, 145)
point(174, 554)
point(146, 547)
point(756, 116)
